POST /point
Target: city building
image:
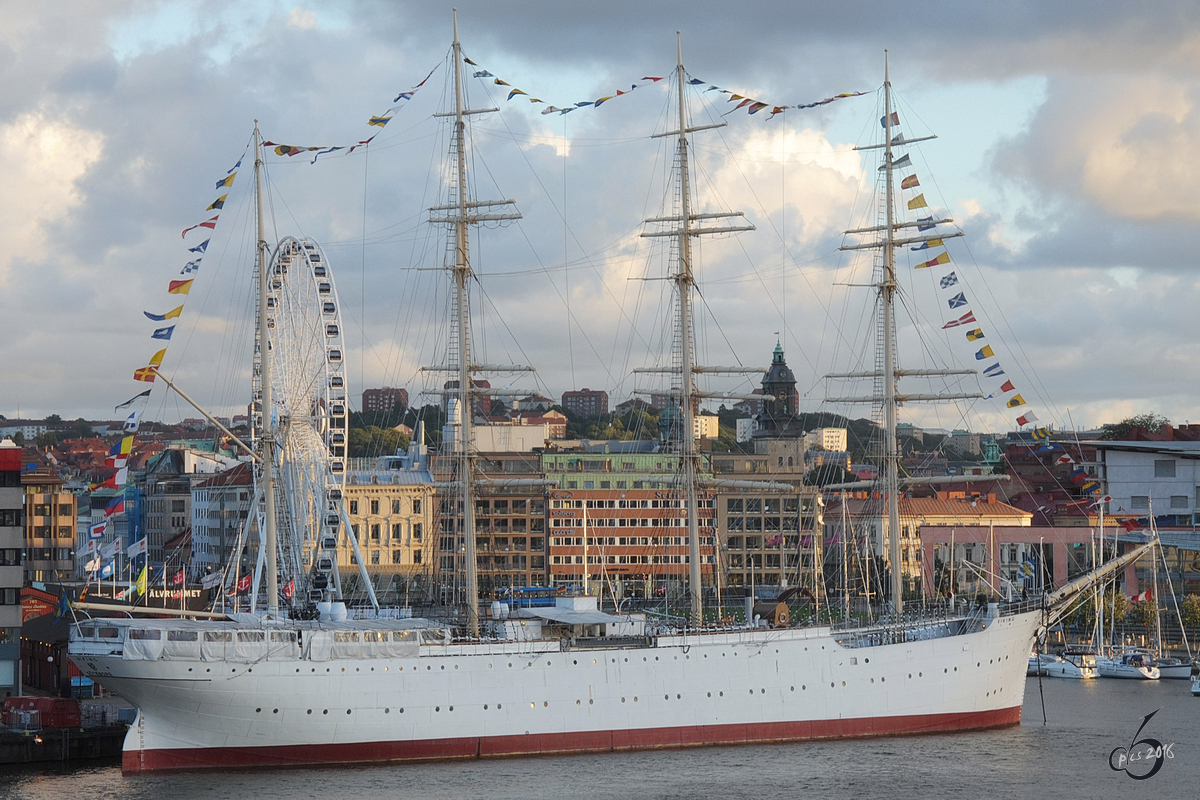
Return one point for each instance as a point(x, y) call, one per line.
point(50, 514)
point(866, 516)
point(12, 577)
point(510, 525)
point(833, 440)
point(220, 507)
point(28, 428)
point(586, 402)
point(165, 487)
point(771, 538)
point(633, 542)
point(384, 401)
point(778, 415)
point(706, 425)
point(1160, 478)
point(992, 559)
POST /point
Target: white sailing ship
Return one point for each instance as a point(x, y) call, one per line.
point(264, 690)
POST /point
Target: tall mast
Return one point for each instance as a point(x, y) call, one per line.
point(684, 283)
point(462, 271)
point(461, 213)
point(887, 295)
point(890, 373)
point(266, 357)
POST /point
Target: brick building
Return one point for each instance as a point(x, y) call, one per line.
point(586, 402)
point(383, 401)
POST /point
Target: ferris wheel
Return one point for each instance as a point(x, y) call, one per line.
point(308, 417)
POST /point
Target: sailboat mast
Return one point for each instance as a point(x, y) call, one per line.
point(684, 282)
point(266, 359)
point(462, 273)
point(887, 295)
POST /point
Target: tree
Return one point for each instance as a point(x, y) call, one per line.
point(1116, 431)
point(53, 419)
point(1142, 613)
point(1189, 609)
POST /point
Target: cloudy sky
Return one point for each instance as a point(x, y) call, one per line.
point(1065, 140)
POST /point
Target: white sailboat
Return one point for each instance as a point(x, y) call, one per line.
point(263, 690)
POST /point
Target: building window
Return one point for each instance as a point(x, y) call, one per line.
point(396, 532)
point(396, 507)
point(396, 556)
point(1139, 502)
point(416, 531)
point(375, 532)
point(416, 556)
point(353, 506)
point(416, 506)
point(1164, 468)
point(374, 506)
point(374, 556)
point(1179, 501)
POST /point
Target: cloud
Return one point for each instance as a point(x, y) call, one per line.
point(41, 160)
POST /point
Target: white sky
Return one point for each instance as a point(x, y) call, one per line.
point(1065, 135)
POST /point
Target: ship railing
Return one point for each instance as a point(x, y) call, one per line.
point(22, 720)
point(915, 624)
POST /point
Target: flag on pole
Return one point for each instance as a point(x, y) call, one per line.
point(244, 583)
point(96, 532)
point(177, 578)
point(142, 579)
point(210, 580)
point(289, 589)
point(965, 319)
point(146, 393)
point(1027, 418)
point(1015, 400)
point(137, 548)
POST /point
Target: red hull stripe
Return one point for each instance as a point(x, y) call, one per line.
point(136, 761)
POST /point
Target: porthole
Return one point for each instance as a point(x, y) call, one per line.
point(387, 711)
point(402, 711)
point(485, 706)
point(751, 691)
point(803, 687)
point(590, 702)
point(832, 685)
point(910, 674)
point(576, 663)
point(710, 694)
point(720, 694)
point(791, 688)
point(275, 711)
point(258, 711)
point(451, 708)
point(678, 697)
point(666, 697)
point(347, 711)
point(498, 706)
point(576, 702)
point(533, 705)
point(326, 711)
point(309, 711)
point(546, 704)
point(872, 680)
point(843, 683)
point(437, 708)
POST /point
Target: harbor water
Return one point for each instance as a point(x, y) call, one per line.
point(1069, 756)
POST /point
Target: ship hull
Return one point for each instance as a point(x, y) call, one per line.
point(473, 701)
point(284, 756)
